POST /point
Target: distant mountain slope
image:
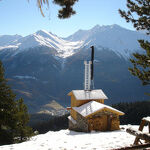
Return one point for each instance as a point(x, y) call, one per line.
point(53, 105)
point(43, 67)
point(118, 39)
point(53, 108)
point(8, 39)
point(42, 38)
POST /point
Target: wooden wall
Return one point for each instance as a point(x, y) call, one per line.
point(98, 123)
point(100, 101)
point(73, 114)
point(104, 121)
point(115, 123)
point(77, 103)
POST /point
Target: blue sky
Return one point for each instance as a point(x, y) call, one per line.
point(23, 17)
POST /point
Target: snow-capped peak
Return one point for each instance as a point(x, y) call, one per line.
point(46, 34)
point(103, 28)
point(43, 38)
point(43, 32)
point(113, 37)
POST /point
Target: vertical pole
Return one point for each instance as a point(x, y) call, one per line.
point(89, 75)
point(92, 65)
point(85, 75)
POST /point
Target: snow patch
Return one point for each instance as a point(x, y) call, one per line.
point(8, 47)
point(89, 95)
point(72, 120)
point(25, 77)
point(146, 118)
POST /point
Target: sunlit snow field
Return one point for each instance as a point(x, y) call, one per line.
point(70, 140)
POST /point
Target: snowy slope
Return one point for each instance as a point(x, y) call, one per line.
point(43, 38)
point(70, 140)
point(8, 39)
point(113, 37)
point(118, 39)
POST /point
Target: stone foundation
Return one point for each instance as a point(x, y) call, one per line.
point(81, 125)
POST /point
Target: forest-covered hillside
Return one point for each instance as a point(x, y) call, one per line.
point(134, 111)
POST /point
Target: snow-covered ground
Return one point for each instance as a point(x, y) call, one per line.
point(70, 140)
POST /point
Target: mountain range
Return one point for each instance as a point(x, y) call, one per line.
point(42, 66)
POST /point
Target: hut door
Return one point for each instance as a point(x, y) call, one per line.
point(109, 122)
point(91, 124)
point(98, 123)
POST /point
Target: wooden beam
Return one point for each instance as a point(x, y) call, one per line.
point(140, 129)
point(139, 134)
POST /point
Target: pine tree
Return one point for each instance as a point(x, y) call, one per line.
point(13, 114)
point(139, 15)
point(22, 130)
point(7, 110)
point(66, 11)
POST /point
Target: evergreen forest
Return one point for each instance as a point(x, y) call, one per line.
point(13, 115)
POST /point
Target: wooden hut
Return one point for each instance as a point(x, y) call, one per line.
point(88, 112)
